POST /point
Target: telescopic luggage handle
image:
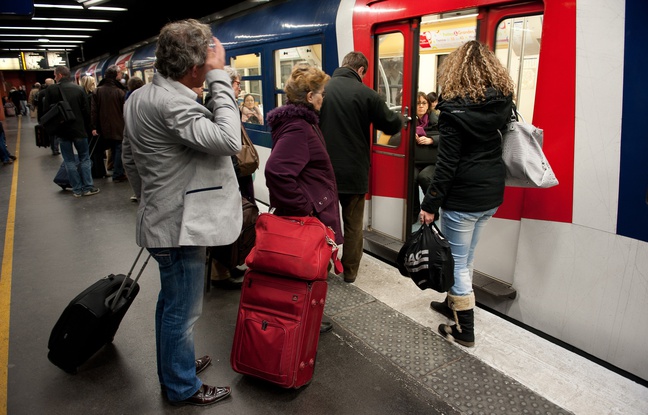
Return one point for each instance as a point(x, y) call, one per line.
point(123, 284)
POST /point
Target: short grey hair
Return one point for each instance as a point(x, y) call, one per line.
point(234, 76)
point(181, 46)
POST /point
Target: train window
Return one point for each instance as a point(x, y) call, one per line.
point(390, 79)
point(440, 35)
point(285, 59)
point(517, 45)
point(251, 97)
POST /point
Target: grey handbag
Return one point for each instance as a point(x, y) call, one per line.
point(526, 164)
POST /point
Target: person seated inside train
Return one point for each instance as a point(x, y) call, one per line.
point(250, 111)
point(426, 145)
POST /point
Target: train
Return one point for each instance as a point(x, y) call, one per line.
point(568, 262)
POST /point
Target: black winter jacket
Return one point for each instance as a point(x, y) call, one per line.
point(470, 173)
point(350, 107)
point(76, 97)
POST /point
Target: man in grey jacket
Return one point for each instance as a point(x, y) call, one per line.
point(177, 155)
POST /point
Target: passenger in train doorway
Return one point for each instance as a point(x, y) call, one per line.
point(468, 184)
point(225, 274)
point(74, 135)
point(108, 117)
point(177, 155)
point(426, 139)
point(348, 111)
point(298, 172)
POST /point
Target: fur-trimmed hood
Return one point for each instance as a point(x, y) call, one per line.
point(280, 115)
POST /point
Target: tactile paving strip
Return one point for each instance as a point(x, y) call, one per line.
point(455, 376)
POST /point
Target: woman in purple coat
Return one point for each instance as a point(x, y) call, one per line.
point(298, 172)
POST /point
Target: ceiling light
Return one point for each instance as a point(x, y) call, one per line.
point(65, 29)
point(79, 7)
point(69, 19)
point(49, 35)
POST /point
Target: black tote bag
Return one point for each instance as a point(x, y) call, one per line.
point(426, 258)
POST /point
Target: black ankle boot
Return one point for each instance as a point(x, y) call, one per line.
point(442, 308)
point(462, 333)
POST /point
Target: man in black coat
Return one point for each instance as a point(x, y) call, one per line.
point(349, 109)
point(73, 134)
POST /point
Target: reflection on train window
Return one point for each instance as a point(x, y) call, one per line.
point(517, 45)
point(285, 59)
point(390, 79)
point(249, 69)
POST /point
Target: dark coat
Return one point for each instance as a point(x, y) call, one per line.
point(298, 172)
point(349, 109)
point(76, 97)
point(108, 110)
point(470, 173)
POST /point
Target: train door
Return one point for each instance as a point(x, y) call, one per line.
point(393, 68)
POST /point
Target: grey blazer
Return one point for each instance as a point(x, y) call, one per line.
point(177, 155)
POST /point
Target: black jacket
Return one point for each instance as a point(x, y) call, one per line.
point(470, 173)
point(77, 98)
point(350, 107)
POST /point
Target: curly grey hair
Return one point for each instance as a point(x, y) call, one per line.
point(181, 46)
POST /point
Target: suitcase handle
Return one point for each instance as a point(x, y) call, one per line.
point(123, 284)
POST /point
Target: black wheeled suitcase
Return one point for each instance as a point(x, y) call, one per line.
point(92, 318)
point(42, 138)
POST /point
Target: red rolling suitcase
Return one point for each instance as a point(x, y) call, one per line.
point(277, 330)
point(92, 318)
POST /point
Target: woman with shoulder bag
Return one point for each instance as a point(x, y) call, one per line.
point(468, 183)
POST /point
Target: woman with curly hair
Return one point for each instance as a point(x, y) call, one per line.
point(468, 185)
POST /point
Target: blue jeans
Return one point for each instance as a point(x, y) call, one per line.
point(81, 177)
point(463, 230)
point(54, 144)
point(4, 152)
point(182, 273)
point(118, 166)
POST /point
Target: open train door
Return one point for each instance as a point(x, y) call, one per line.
point(389, 218)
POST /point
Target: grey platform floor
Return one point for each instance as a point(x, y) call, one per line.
point(383, 356)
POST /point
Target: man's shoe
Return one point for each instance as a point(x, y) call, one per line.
point(326, 326)
point(206, 395)
point(11, 156)
point(228, 283)
point(7, 162)
point(202, 363)
point(133, 198)
point(77, 194)
point(120, 179)
point(91, 192)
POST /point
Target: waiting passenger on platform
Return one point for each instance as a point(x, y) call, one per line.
point(250, 111)
point(40, 110)
point(298, 172)
point(74, 134)
point(108, 117)
point(347, 113)
point(468, 184)
point(7, 157)
point(32, 99)
point(223, 276)
point(177, 154)
point(97, 144)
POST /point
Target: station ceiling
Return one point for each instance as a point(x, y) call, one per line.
point(118, 30)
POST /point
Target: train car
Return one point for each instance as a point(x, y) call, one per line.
point(569, 261)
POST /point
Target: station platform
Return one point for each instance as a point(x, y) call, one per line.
point(383, 356)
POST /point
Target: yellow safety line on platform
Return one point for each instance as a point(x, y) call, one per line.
point(5, 281)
